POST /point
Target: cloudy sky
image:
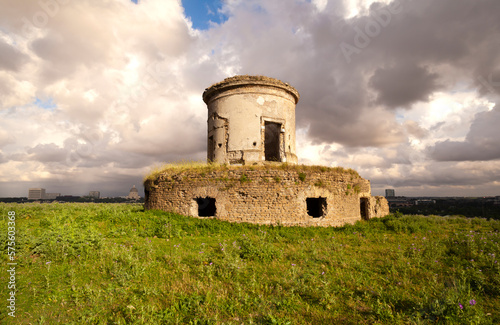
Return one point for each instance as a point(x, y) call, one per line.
point(95, 93)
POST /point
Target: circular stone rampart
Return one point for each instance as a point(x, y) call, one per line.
point(287, 195)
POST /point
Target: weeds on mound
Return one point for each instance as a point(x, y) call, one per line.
point(119, 264)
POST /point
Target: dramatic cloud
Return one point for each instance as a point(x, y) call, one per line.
point(93, 94)
point(403, 86)
point(10, 57)
point(481, 142)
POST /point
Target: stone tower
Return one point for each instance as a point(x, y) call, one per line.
point(251, 120)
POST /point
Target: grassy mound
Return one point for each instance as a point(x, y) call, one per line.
point(203, 168)
point(119, 264)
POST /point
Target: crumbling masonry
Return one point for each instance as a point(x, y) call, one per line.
point(251, 138)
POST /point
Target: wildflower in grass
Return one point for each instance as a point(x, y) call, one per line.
point(460, 306)
point(293, 264)
point(48, 263)
point(472, 302)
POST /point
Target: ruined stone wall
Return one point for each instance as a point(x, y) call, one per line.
point(239, 108)
point(267, 195)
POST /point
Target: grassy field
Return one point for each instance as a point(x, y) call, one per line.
point(119, 264)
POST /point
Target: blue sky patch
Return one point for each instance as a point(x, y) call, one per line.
point(203, 12)
point(45, 103)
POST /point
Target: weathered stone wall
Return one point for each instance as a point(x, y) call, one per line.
point(239, 108)
point(267, 195)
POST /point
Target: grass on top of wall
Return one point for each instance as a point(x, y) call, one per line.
point(204, 167)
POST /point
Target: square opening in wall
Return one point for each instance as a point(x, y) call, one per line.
point(206, 206)
point(316, 206)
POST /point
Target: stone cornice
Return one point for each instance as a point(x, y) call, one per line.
point(246, 80)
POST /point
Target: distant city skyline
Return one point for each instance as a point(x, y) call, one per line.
point(404, 92)
point(41, 193)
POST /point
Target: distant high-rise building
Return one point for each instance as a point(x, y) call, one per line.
point(36, 194)
point(95, 194)
point(390, 193)
point(133, 194)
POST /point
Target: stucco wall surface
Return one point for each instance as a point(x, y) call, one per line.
point(238, 110)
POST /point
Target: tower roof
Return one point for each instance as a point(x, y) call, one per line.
point(239, 81)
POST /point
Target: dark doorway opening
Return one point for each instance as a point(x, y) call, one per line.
point(316, 206)
point(363, 207)
point(206, 206)
point(272, 141)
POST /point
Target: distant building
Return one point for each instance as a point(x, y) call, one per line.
point(95, 194)
point(424, 202)
point(51, 196)
point(133, 194)
point(36, 194)
point(390, 193)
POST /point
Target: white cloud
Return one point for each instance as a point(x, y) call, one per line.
point(127, 82)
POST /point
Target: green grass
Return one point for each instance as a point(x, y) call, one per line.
point(202, 168)
point(119, 264)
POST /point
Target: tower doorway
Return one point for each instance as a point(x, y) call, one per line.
point(272, 141)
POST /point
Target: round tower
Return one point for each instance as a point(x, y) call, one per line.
point(251, 120)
